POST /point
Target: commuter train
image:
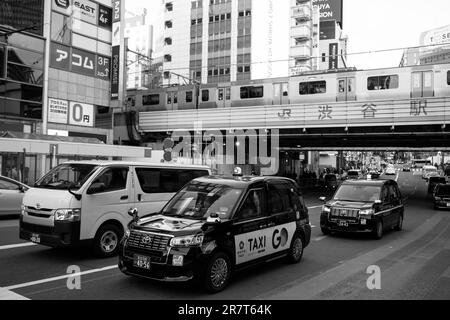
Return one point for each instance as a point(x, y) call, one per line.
point(402, 83)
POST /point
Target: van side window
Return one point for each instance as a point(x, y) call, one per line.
point(252, 206)
point(114, 179)
point(154, 180)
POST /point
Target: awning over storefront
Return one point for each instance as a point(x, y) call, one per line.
point(34, 136)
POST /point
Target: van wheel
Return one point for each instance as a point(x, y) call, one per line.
point(106, 241)
point(218, 273)
point(399, 226)
point(377, 232)
point(296, 251)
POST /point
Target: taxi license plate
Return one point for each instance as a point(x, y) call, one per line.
point(448, 205)
point(36, 238)
point(343, 224)
point(142, 262)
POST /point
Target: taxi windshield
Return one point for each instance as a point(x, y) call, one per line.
point(65, 175)
point(199, 200)
point(443, 190)
point(357, 193)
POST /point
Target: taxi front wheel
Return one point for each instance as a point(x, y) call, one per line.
point(377, 232)
point(296, 251)
point(218, 273)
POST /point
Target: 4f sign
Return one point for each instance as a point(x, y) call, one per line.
point(81, 114)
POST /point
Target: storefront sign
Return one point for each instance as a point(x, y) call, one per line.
point(333, 56)
point(58, 111)
point(116, 11)
point(115, 73)
point(79, 61)
point(85, 10)
point(104, 17)
point(329, 9)
point(83, 62)
point(62, 6)
point(81, 114)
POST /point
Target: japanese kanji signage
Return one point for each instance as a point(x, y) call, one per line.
point(58, 111)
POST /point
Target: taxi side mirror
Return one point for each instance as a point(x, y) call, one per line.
point(378, 202)
point(323, 199)
point(213, 219)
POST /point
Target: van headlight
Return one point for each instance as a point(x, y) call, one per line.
point(67, 215)
point(22, 210)
point(187, 241)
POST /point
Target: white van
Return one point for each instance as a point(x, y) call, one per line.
point(88, 202)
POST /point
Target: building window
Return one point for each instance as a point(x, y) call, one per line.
point(315, 87)
point(205, 95)
point(150, 100)
point(60, 28)
point(189, 96)
point(252, 92)
point(382, 82)
point(169, 7)
point(167, 58)
point(448, 78)
point(324, 57)
point(169, 24)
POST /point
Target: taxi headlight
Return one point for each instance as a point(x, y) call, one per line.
point(366, 213)
point(326, 209)
point(187, 241)
point(127, 233)
point(67, 215)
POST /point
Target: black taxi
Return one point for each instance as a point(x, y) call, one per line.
point(215, 226)
point(371, 206)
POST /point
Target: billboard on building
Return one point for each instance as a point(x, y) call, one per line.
point(330, 10)
point(436, 36)
point(116, 39)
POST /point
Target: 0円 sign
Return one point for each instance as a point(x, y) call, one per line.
point(70, 112)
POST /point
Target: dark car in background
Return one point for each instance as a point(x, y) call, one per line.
point(331, 181)
point(215, 226)
point(370, 206)
point(434, 181)
point(441, 196)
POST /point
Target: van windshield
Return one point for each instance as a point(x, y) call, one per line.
point(199, 200)
point(65, 175)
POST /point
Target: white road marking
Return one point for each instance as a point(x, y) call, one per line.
point(19, 245)
point(33, 283)
point(9, 295)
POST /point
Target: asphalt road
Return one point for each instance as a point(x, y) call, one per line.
point(414, 264)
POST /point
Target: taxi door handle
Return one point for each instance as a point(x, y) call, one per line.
point(124, 198)
point(262, 226)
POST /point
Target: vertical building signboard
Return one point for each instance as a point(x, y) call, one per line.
point(115, 63)
point(333, 56)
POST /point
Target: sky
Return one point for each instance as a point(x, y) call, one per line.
point(373, 25)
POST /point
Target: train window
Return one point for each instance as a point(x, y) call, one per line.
point(228, 94)
point(315, 87)
point(189, 96)
point(150, 100)
point(382, 82)
point(220, 94)
point(175, 97)
point(169, 98)
point(448, 78)
point(205, 95)
point(285, 89)
point(252, 92)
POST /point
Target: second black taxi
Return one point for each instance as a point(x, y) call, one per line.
point(371, 206)
point(215, 226)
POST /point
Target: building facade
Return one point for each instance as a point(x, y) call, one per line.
point(55, 62)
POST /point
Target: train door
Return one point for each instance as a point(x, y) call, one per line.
point(422, 85)
point(224, 97)
point(172, 100)
point(280, 93)
point(346, 90)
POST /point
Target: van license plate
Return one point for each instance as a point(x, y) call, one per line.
point(343, 224)
point(142, 262)
point(35, 238)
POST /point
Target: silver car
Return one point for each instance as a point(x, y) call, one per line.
point(11, 194)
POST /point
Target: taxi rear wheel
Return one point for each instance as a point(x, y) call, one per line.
point(218, 273)
point(296, 251)
point(399, 226)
